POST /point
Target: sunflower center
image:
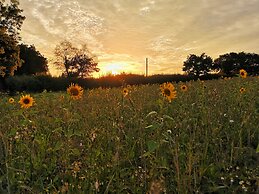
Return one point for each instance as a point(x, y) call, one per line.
point(26, 101)
point(167, 92)
point(74, 92)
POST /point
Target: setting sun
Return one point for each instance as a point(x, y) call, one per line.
point(113, 68)
point(116, 67)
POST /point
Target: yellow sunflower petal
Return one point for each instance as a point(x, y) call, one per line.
point(75, 91)
point(242, 90)
point(26, 101)
point(168, 91)
point(11, 100)
point(125, 92)
point(243, 73)
point(184, 88)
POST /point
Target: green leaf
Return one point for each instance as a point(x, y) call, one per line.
point(152, 145)
point(69, 133)
point(217, 188)
point(74, 152)
point(151, 113)
point(58, 146)
point(168, 117)
point(257, 149)
point(58, 130)
point(12, 132)
point(164, 163)
point(154, 126)
point(77, 133)
point(149, 126)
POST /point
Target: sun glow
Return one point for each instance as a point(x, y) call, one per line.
point(114, 68)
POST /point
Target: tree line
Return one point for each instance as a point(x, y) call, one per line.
point(227, 64)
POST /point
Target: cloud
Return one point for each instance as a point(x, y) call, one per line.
point(166, 31)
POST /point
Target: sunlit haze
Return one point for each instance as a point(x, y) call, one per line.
point(122, 33)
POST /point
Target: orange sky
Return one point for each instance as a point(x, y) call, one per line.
point(122, 33)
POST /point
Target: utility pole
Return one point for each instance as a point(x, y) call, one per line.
point(146, 67)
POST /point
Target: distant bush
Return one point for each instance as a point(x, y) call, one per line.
point(46, 82)
point(23, 83)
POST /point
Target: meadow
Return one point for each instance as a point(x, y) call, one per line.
point(133, 140)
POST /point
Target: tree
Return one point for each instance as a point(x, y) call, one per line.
point(198, 65)
point(74, 62)
point(33, 61)
point(10, 18)
point(231, 63)
point(252, 63)
point(10, 24)
point(9, 55)
point(82, 66)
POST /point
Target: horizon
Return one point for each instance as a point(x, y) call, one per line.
point(123, 33)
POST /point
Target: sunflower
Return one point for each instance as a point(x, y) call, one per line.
point(75, 91)
point(26, 101)
point(161, 86)
point(184, 88)
point(125, 92)
point(243, 73)
point(11, 100)
point(242, 90)
point(167, 85)
point(168, 91)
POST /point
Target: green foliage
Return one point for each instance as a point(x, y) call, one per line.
point(75, 62)
point(204, 141)
point(198, 65)
point(33, 61)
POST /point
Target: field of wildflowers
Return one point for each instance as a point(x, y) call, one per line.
point(193, 137)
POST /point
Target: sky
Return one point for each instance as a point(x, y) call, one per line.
point(123, 33)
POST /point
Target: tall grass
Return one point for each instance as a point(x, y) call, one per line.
point(204, 141)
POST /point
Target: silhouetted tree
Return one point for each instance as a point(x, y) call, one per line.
point(10, 24)
point(231, 63)
point(74, 62)
point(198, 65)
point(9, 56)
point(64, 52)
point(33, 61)
point(252, 63)
point(82, 66)
point(10, 18)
